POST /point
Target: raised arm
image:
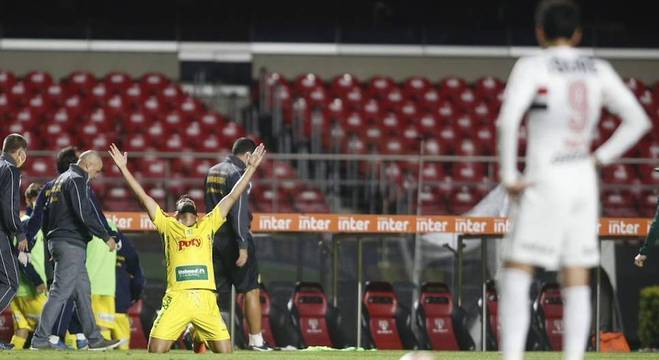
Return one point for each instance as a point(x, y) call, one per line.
point(253, 161)
point(147, 202)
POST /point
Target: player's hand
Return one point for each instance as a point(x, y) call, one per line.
point(254, 159)
point(121, 160)
point(242, 258)
point(41, 289)
point(516, 188)
point(22, 246)
point(639, 260)
point(112, 244)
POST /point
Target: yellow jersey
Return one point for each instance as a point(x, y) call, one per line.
point(189, 250)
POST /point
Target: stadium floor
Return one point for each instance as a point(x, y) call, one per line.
point(293, 355)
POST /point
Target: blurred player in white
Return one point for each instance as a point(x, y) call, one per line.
point(556, 200)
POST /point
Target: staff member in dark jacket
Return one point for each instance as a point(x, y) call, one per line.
point(234, 254)
point(70, 223)
point(650, 239)
point(14, 154)
point(67, 319)
point(130, 283)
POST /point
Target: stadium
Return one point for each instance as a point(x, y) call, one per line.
point(400, 141)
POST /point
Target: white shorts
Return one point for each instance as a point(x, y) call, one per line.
point(555, 222)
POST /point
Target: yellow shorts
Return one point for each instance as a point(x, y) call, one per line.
point(27, 310)
point(103, 307)
point(182, 307)
point(122, 329)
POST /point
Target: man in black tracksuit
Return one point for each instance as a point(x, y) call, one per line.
point(68, 226)
point(14, 154)
point(234, 254)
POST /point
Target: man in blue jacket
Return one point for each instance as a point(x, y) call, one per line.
point(14, 154)
point(69, 225)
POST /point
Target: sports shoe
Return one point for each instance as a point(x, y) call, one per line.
point(264, 347)
point(50, 346)
point(105, 345)
point(82, 344)
point(6, 346)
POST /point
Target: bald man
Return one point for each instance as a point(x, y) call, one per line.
point(69, 225)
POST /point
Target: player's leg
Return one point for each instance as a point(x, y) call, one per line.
point(21, 326)
point(207, 321)
point(514, 313)
point(531, 243)
point(173, 317)
point(247, 280)
point(159, 346)
point(580, 253)
point(121, 330)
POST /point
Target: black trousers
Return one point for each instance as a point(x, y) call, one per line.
point(8, 271)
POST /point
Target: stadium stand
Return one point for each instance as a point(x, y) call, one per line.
point(449, 117)
point(150, 113)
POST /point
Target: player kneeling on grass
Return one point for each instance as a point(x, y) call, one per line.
point(31, 294)
point(188, 243)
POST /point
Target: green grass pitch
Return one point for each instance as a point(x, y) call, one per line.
point(294, 355)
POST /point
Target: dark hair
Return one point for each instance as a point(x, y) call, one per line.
point(33, 190)
point(558, 18)
point(13, 143)
point(243, 145)
point(184, 197)
point(66, 157)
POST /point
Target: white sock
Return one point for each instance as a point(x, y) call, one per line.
point(514, 312)
point(256, 340)
point(576, 320)
point(80, 336)
point(53, 339)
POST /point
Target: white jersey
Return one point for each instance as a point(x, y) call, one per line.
point(563, 92)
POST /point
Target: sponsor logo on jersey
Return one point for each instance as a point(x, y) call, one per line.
point(191, 272)
point(184, 244)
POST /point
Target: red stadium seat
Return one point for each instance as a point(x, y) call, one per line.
point(488, 87)
point(392, 123)
point(7, 80)
point(408, 110)
point(119, 198)
point(191, 108)
point(353, 122)
point(462, 200)
point(445, 111)
point(441, 320)
point(304, 83)
point(311, 201)
point(18, 94)
point(154, 82)
point(40, 168)
point(415, 86)
point(354, 98)
point(354, 145)
point(76, 106)
point(37, 81)
point(393, 100)
point(466, 100)
point(485, 138)
point(429, 100)
point(6, 107)
point(635, 85)
point(428, 124)
point(468, 172)
point(549, 311)
point(137, 334)
point(344, 83)
point(648, 175)
point(465, 125)
point(212, 122)
point(136, 143)
point(136, 122)
point(54, 95)
point(101, 142)
point(432, 146)
point(102, 119)
point(619, 174)
point(313, 316)
point(173, 121)
point(483, 113)
point(117, 82)
point(135, 96)
point(448, 136)
point(63, 140)
point(152, 107)
point(384, 319)
point(266, 309)
point(648, 204)
point(336, 109)
point(38, 105)
point(316, 97)
point(432, 203)
point(467, 147)
point(373, 135)
point(619, 203)
point(80, 82)
point(379, 86)
point(452, 86)
point(172, 95)
point(173, 142)
point(230, 133)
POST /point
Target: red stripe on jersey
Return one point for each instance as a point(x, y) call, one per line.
point(542, 90)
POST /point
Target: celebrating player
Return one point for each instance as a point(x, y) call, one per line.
point(555, 223)
point(188, 243)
